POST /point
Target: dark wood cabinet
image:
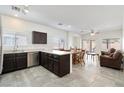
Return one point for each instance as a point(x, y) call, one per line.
point(64, 64)
point(56, 67)
point(58, 64)
point(12, 62)
point(44, 59)
point(50, 64)
point(39, 37)
point(21, 61)
point(9, 63)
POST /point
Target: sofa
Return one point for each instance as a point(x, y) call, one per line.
point(113, 61)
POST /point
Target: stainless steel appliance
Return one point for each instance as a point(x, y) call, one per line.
point(33, 59)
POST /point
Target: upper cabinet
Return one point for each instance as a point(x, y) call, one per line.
point(39, 37)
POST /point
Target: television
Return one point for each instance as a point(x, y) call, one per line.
point(39, 37)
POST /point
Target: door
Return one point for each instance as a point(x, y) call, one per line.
point(89, 45)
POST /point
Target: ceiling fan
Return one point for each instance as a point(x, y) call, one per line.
point(92, 33)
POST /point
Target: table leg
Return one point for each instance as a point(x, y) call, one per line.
point(93, 58)
point(98, 57)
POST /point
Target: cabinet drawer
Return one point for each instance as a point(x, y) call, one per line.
point(21, 55)
point(56, 68)
point(50, 55)
point(56, 56)
point(8, 56)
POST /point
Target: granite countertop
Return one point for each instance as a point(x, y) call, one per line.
point(57, 52)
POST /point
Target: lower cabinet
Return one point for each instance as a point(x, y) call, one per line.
point(43, 59)
point(9, 63)
point(13, 62)
point(58, 64)
point(50, 64)
point(56, 67)
point(21, 61)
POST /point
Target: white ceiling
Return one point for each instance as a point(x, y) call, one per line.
point(75, 18)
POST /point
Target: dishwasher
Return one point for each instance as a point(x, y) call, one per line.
point(33, 59)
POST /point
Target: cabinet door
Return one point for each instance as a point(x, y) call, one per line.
point(36, 37)
point(50, 64)
point(56, 67)
point(56, 64)
point(8, 66)
point(45, 60)
point(9, 63)
point(42, 59)
point(21, 61)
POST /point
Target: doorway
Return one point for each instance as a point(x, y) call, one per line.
point(89, 45)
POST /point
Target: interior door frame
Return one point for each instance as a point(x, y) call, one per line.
point(90, 43)
point(1, 46)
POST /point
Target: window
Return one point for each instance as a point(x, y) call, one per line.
point(14, 39)
point(21, 40)
point(8, 39)
point(111, 43)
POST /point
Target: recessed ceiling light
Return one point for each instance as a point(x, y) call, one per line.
point(26, 10)
point(16, 15)
point(26, 5)
point(81, 31)
point(60, 24)
point(69, 26)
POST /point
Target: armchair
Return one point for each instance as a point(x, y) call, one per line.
point(112, 50)
point(112, 61)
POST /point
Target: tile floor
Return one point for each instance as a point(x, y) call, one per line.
point(89, 75)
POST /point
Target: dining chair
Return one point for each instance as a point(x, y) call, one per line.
point(78, 57)
point(82, 57)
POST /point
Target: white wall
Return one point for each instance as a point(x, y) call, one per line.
point(1, 52)
point(104, 35)
point(123, 35)
point(74, 40)
point(15, 25)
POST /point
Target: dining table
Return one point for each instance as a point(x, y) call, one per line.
point(93, 55)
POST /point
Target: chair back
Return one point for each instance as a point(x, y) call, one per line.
point(78, 56)
point(118, 55)
point(82, 55)
point(112, 50)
